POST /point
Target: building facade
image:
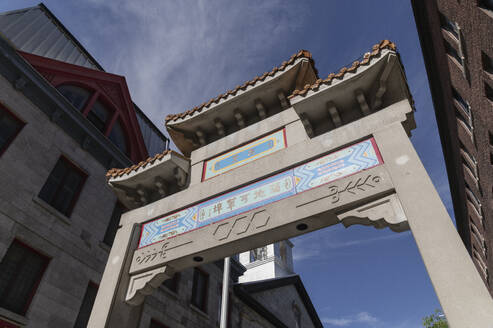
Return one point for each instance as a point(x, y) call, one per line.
point(64, 122)
point(457, 46)
point(267, 262)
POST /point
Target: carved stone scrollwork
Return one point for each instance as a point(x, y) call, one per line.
point(143, 284)
point(381, 213)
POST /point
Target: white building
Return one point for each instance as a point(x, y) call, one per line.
point(271, 261)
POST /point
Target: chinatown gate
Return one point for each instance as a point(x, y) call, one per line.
point(282, 155)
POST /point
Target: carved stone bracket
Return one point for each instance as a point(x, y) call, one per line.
point(381, 213)
point(143, 284)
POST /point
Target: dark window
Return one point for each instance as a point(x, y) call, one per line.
point(10, 126)
point(21, 270)
point(99, 115)
point(464, 104)
point(156, 324)
point(487, 63)
point(63, 186)
point(86, 307)
point(117, 136)
point(449, 26)
point(452, 52)
point(466, 120)
point(487, 4)
point(258, 254)
point(488, 92)
point(199, 289)
point(110, 234)
point(77, 96)
point(172, 284)
point(297, 314)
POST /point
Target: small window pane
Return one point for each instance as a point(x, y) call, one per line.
point(448, 25)
point(86, 307)
point(98, 115)
point(117, 136)
point(487, 4)
point(62, 186)
point(21, 270)
point(156, 324)
point(9, 127)
point(452, 52)
point(488, 91)
point(487, 63)
point(199, 290)
point(76, 95)
point(110, 234)
point(464, 104)
point(258, 254)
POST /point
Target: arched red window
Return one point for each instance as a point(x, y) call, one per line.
point(99, 112)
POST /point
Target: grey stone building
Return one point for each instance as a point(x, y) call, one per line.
point(64, 122)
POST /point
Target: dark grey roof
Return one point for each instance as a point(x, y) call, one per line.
point(37, 31)
point(243, 290)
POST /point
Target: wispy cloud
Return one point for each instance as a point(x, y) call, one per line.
point(178, 54)
point(361, 318)
point(309, 248)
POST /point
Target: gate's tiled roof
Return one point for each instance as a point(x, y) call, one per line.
point(115, 173)
point(299, 54)
point(376, 49)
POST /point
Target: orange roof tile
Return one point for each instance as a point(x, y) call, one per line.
point(115, 173)
point(376, 49)
point(299, 54)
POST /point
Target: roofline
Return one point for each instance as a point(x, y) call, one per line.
point(292, 61)
point(263, 285)
point(70, 35)
point(366, 58)
point(154, 126)
point(76, 41)
point(115, 173)
point(243, 295)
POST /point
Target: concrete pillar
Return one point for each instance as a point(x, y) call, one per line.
point(462, 294)
point(110, 309)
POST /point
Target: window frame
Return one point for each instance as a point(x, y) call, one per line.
point(13, 137)
point(157, 323)
point(123, 210)
point(205, 297)
point(35, 287)
point(115, 113)
point(75, 198)
point(91, 92)
point(90, 284)
point(450, 26)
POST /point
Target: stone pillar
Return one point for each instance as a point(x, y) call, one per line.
point(110, 309)
point(462, 294)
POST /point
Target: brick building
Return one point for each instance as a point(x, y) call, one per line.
point(64, 122)
point(457, 44)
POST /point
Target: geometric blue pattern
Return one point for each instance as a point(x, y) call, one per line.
point(325, 169)
point(341, 163)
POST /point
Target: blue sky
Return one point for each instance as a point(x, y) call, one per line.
point(178, 54)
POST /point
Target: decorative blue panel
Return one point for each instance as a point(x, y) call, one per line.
point(325, 169)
